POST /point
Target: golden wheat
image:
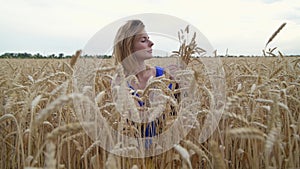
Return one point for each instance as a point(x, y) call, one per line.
point(259, 127)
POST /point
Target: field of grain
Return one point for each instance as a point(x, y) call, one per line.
point(259, 127)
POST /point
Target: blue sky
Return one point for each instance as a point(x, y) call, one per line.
point(64, 26)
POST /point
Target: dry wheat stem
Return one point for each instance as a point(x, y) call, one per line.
point(184, 154)
point(50, 160)
point(8, 116)
point(275, 33)
point(56, 104)
point(218, 160)
point(247, 133)
point(74, 58)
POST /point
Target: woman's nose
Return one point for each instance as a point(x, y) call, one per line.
point(151, 43)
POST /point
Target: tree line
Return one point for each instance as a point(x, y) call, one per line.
point(39, 56)
point(62, 56)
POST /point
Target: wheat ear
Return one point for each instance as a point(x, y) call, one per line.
point(74, 58)
point(275, 33)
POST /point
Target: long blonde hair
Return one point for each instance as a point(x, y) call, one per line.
point(123, 43)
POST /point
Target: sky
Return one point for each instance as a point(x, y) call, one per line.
point(234, 27)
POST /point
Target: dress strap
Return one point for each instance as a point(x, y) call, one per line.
point(159, 71)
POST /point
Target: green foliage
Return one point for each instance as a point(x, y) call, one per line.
point(39, 56)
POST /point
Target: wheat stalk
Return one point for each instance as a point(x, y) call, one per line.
point(51, 76)
point(199, 152)
point(8, 116)
point(184, 154)
point(247, 133)
point(237, 117)
point(275, 33)
point(218, 160)
point(50, 160)
point(74, 58)
point(67, 128)
point(56, 104)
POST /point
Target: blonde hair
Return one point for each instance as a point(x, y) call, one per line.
point(123, 43)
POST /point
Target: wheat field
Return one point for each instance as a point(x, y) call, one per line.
point(259, 127)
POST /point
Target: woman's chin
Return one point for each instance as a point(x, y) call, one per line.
point(148, 57)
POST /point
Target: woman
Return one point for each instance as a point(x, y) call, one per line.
point(132, 48)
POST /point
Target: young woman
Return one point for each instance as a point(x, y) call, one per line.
point(132, 47)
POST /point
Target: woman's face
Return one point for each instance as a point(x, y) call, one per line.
point(142, 46)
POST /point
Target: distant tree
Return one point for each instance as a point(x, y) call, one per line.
point(68, 56)
point(24, 55)
point(52, 56)
point(7, 55)
point(106, 56)
point(39, 56)
point(60, 56)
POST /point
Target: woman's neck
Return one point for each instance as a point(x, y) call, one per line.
point(142, 71)
point(143, 76)
point(133, 67)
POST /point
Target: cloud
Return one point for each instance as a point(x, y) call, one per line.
point(243, 26)
point(293, 15)
point(270, 1)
